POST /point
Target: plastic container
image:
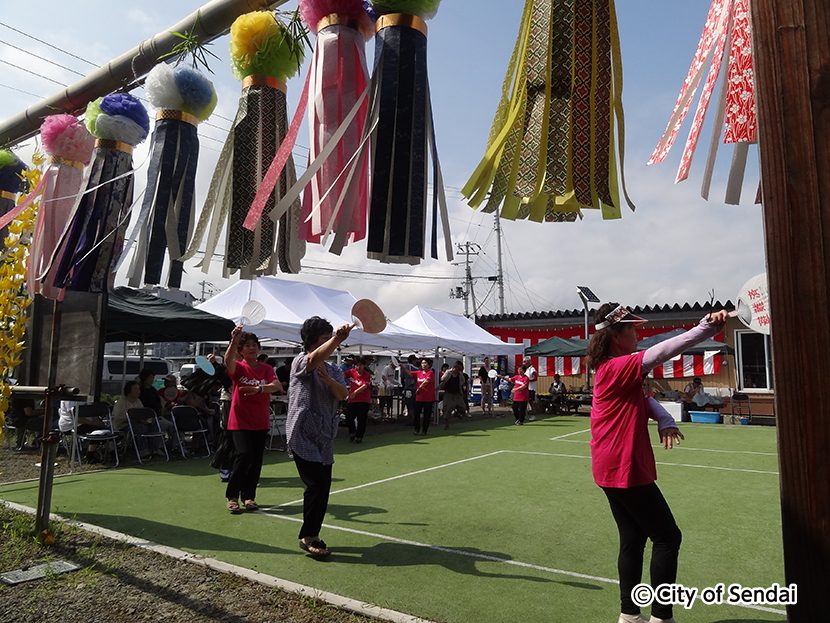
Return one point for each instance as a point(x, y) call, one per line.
point(745, 421)
point(705, 417)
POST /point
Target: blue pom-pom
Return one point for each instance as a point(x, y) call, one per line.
point(196, 90)
point(10, 180)
point(128, 106)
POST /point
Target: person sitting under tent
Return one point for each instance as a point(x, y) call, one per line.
point(454, 384)
point(557, 393)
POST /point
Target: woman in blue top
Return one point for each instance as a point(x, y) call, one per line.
point(314, 394)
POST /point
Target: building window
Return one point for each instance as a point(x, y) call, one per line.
point(754, 361)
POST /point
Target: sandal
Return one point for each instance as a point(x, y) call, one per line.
point(250, 505)
point(233, 507)
point(320, 546)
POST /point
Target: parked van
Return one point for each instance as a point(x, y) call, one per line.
point(113, 381)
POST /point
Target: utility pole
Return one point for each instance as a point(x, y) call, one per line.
point(468, 249)
point(499, 273)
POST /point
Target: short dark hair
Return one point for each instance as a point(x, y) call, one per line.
point(312, 329)
point(128, 386)
point(262, 357)
point(412, 358)
point(145, 374)
point(245, 337)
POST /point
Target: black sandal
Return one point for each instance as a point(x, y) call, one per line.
point(320, 545)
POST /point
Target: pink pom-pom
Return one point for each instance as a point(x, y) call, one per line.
point(312, 11)
point(65, 136)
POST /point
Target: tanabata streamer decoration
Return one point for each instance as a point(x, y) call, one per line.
point(263, 55)
point(69, 146)
point(11, 182)
point(726, 41)
point(95, 234)
point(403, 136)
point(551, 151)
point(184, 97)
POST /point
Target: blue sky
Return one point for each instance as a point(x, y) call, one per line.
point(676, 247)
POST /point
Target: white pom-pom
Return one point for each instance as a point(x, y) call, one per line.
point(161, 88)
point(118, 128)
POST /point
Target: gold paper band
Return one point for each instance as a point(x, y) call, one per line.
point(66, 161)
point(178, 115)
point(401, 19)
point(5, 194)
point(108, 144)
point(335, 19)
point(263, 81)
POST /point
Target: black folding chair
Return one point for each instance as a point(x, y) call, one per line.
point(140, 414)
point(186, 419)
point(739, 405)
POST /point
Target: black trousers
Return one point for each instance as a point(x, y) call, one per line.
point(520, 410)
point(356, 415)
point(317, 480)
point(423, 411)
point(247, 463)
point(642, 513)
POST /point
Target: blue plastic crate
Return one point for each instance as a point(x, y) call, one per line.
point(705, 417)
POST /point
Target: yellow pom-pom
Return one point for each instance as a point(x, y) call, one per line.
point(249, 32)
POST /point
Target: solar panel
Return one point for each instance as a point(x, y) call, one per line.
point(586, 294)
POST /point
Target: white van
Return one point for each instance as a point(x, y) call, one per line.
point(112, 381)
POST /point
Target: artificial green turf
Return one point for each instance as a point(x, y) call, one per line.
point(532, 500)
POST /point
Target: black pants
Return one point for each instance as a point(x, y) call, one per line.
point(247, 463)
point(423, 410)
point(520, 410)
point(356, 415)
point(317, 480)
point(642, 513)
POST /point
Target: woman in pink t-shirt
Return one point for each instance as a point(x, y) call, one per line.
point(521, 393)
point(621, 456)
point(250, 416)
point(424, 394)
point(360, 399)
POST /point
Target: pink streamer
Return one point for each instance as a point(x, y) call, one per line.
point(15, 212)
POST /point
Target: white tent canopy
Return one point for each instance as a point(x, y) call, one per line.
point(289, 303)
point(456, 333)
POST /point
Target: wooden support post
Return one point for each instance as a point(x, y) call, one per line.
point(791, 53)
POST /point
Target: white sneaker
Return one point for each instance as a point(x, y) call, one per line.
point(532, 418)
point(632, 618)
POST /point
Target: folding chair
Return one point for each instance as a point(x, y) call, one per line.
point(739, 405)
point(102, 436)
point(186, 420)
point(143, 413)
point(278, 423)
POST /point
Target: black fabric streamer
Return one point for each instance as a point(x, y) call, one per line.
point(397, 218)
point(96, 233)
point(171, 182)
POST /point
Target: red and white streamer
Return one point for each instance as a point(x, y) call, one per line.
point(563, 366)
point(689, 366)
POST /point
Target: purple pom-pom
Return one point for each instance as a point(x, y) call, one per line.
point(10, 174)
point(128, 106)
point(370, 9)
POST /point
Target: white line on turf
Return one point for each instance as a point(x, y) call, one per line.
point(657, 445)
point(415, 473)
point(587, 430)
point(507, 561)
point(580, 456)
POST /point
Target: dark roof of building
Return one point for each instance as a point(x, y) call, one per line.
point(645, 311)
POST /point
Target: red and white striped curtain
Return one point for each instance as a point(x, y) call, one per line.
point(563, 366)
point(688, 365)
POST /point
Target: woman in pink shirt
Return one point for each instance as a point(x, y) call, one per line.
point(621, 455)
point(521, 393)
point(360, 399)
point(424, 394)
point(250, 416)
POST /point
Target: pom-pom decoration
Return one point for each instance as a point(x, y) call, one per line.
point(264, 52)
point(184, 97)
point(91, 243)
point(551, 151)
point(69, 146)
point(727, 40)
point(336, 198)
point(425, 9)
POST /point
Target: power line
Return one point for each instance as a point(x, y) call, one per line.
point(29, 71)
point(21, 91)
point(42, 58)
point(46, 43)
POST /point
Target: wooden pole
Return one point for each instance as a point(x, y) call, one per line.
point(791, 53)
